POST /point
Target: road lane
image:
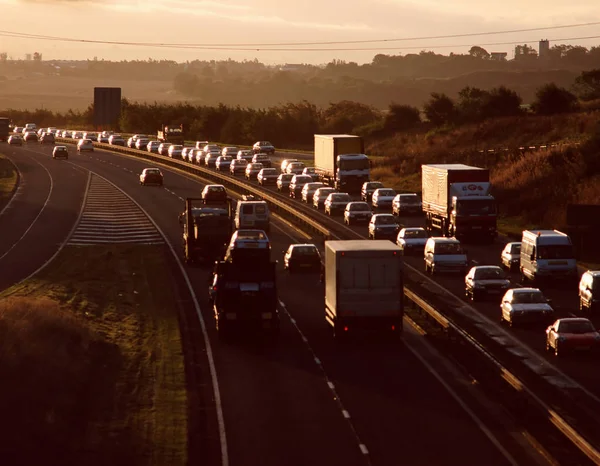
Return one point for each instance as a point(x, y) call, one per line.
point(42, 214)
point(284, 396)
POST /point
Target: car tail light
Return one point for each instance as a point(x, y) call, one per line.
point(345, 329)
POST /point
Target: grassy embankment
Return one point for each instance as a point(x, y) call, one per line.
point(8, 180)
point(93, 371)
point(533, 189)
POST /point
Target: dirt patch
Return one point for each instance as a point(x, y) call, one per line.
point(92, 362)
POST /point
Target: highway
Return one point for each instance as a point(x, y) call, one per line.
point(308, 401)
point(40, 215)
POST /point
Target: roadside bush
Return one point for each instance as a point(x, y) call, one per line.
point(401, 118)
point(440, 109)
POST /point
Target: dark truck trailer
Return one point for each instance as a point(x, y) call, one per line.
point(457, 201)
point(4, 128)
point(244, 298)
point(207, 229)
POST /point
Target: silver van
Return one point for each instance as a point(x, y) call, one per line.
point(547, 254)
point(252, 214)
point(589, 291)
point(445, 255)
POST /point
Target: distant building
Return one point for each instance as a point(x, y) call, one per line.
point(498, 56)
point(291, 67)
point(544, 49)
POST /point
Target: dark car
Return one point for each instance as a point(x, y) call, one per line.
point(214, 193)
point(47, 138)
point(262, 158)
point(263, 147)
point(302, 257)
point(60, 151)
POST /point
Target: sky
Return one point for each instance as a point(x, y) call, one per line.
point(223, 27)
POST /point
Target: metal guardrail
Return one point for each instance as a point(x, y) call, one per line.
point(337, 231)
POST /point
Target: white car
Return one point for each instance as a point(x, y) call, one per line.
point(511, 256)
point(252, 170)
point(525, 305)
point(336, 202)
point(245, 154)
point(230, 151)
point(445, 255)
point(407, 204)
point(201, 144)
point(485, 280)
point(295, 168)
point(283, 182)
point(151, 176)
point(116, 140)
point(311, 171)
point(191, 155)
point(412, 240)
point(589, 291)
point(383, 198)
point(238, 166)
point(153, 146)
point(308, 191)
point(285, 163)
point(321, 195)
point(383, 226)
point(248, 245)
point(141, 143)
point(163, 148)
point(85, 144)
point(267, 176)
point(91, 136)
point(175, 151)
point(357, 212)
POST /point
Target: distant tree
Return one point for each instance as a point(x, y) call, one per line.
point(524, 52)
point(440, 109)
point(37, 56)
point(501, 102)
point(479, 52)
point(587, 85)
point(346, 115)
point(551, 99)
point(401, 117)
point(3, 57)
point(186, 83)
point(471, 102)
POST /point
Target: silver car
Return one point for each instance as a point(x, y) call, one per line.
point(511, 256)
point(357, 212)
point(485, 280)
point(525, 305)
point(412, 240)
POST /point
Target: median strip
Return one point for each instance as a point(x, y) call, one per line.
point(94, 359)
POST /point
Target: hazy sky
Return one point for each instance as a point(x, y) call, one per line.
point(241, 22)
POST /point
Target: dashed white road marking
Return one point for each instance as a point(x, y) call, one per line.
point(330, 385)
point(110, 217)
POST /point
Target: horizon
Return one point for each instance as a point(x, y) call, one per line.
point(355, 27)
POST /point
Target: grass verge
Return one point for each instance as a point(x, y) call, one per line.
point(94, 370)
point(8, 180)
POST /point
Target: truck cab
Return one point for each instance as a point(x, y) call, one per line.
point(206, 229)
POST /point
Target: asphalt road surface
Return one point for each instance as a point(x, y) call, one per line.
point(308, 400)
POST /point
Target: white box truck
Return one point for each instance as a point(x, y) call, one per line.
point(341, 163)
point(363, 286)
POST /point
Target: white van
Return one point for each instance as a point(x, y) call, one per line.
point(445, 255)
point(30, 127)
point(547, 254)
point(252, 214)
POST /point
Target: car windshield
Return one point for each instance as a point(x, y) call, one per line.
point(325, 192)
point(340, 198)
point(595, 283)
point(448, 248)
point(363, 207)
point(515, 249)
point(577, 326)
point(528, 297)
point(309, 170)
point(152, 172)
point(269, 171)
point(489, 274)
point(409, 199)
point(360, 164)
point(415, 234)
point(374, 186)
point(555, 251)
point(387, 192)
point(305, 251)
point(386, 220)
point(287, 177)
point(216, 189)
point(476, 207)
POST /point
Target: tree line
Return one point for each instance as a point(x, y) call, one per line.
point(294, 124)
